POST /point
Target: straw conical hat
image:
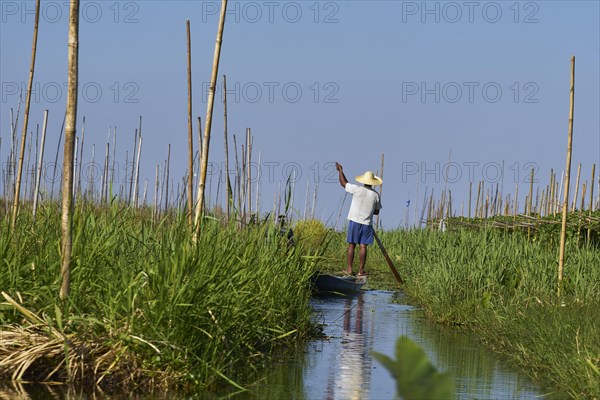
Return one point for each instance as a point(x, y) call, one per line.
point(369, 178)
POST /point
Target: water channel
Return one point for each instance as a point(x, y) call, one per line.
point(341, 366)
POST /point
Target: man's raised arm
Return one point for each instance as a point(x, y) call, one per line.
point(341, 176)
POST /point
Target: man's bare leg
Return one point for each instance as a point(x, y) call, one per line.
point(362, 259)
point(351, 247)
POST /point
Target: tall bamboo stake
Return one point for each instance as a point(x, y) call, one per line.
point(26, 117)
point(75, 164)
point(380, 187)
point(112, 172)
point(242, 186)
point(70, 132)
point(257, 191)
point(27, 170)
point(561, 193)
point(563, 230)
point(306, 201)
point(238, 189)
point(477, 201)
point(90, 188)
point(530, 197)
point(574, 205)
point(81, 156)
point(314, 205)
point(207, 127)
point(229, 198)
point(104, 185)
point(137, 171)
point(135, 141)
point(35, 157)
point(39, 169)
point(190, 177)
point(13, 146)
point(516, 206)
point(589, 232)
point(155, 213)
point(145, 192)
point(470, 196)
point(423, 207)
point(248, 173)
point(167, 177)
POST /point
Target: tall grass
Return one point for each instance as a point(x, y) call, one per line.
point(503, 286)
point(181, 313)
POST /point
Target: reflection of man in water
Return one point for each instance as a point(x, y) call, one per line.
point(353, 379)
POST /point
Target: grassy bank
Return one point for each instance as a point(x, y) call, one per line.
point(148, 307)
point(504, 286)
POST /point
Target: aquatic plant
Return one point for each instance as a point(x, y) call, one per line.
point(416, 378)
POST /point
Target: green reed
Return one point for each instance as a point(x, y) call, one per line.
point(183, 313)
point(503, 286)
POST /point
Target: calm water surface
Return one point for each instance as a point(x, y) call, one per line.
point(341, 366)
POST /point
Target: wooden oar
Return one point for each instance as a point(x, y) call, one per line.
point(388, 259)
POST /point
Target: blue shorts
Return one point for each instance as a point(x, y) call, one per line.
point(359, 233)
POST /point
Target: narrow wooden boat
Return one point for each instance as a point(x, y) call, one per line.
point(327, 283)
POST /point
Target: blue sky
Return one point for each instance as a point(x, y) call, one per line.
point(484, 83)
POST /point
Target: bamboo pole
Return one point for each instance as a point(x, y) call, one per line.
point(145, 192)
point(167, 177)
point(388, 259)
point(242, 185)
point(229, 198)
point(470, 196)
point(137, 170)
point(257, 191)
point(70, 132)
point(27, 170)
point(17, 191)
point(75, 169)
point(190, 177)
point(477, 201)
point(35, 157)
point(207, 127)
point(515, 207)
point(155, 213)
point(423, 207)
point(40, 163)
point(238, 185)
point(13, 147)
point(248, 173)
point(561, 193)
point(591, 208)
point(574, 205)
point(314, 205)
point(550, 194)
point(81, 156)
point(104, 185)
point(306, 201)
point(91, 182)
point(530, 197)
point(563, 230)
point(112, 172)
point(135, 140)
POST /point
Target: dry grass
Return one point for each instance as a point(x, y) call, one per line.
point(35, 351)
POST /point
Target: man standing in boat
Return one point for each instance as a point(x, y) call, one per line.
point(365, 204)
